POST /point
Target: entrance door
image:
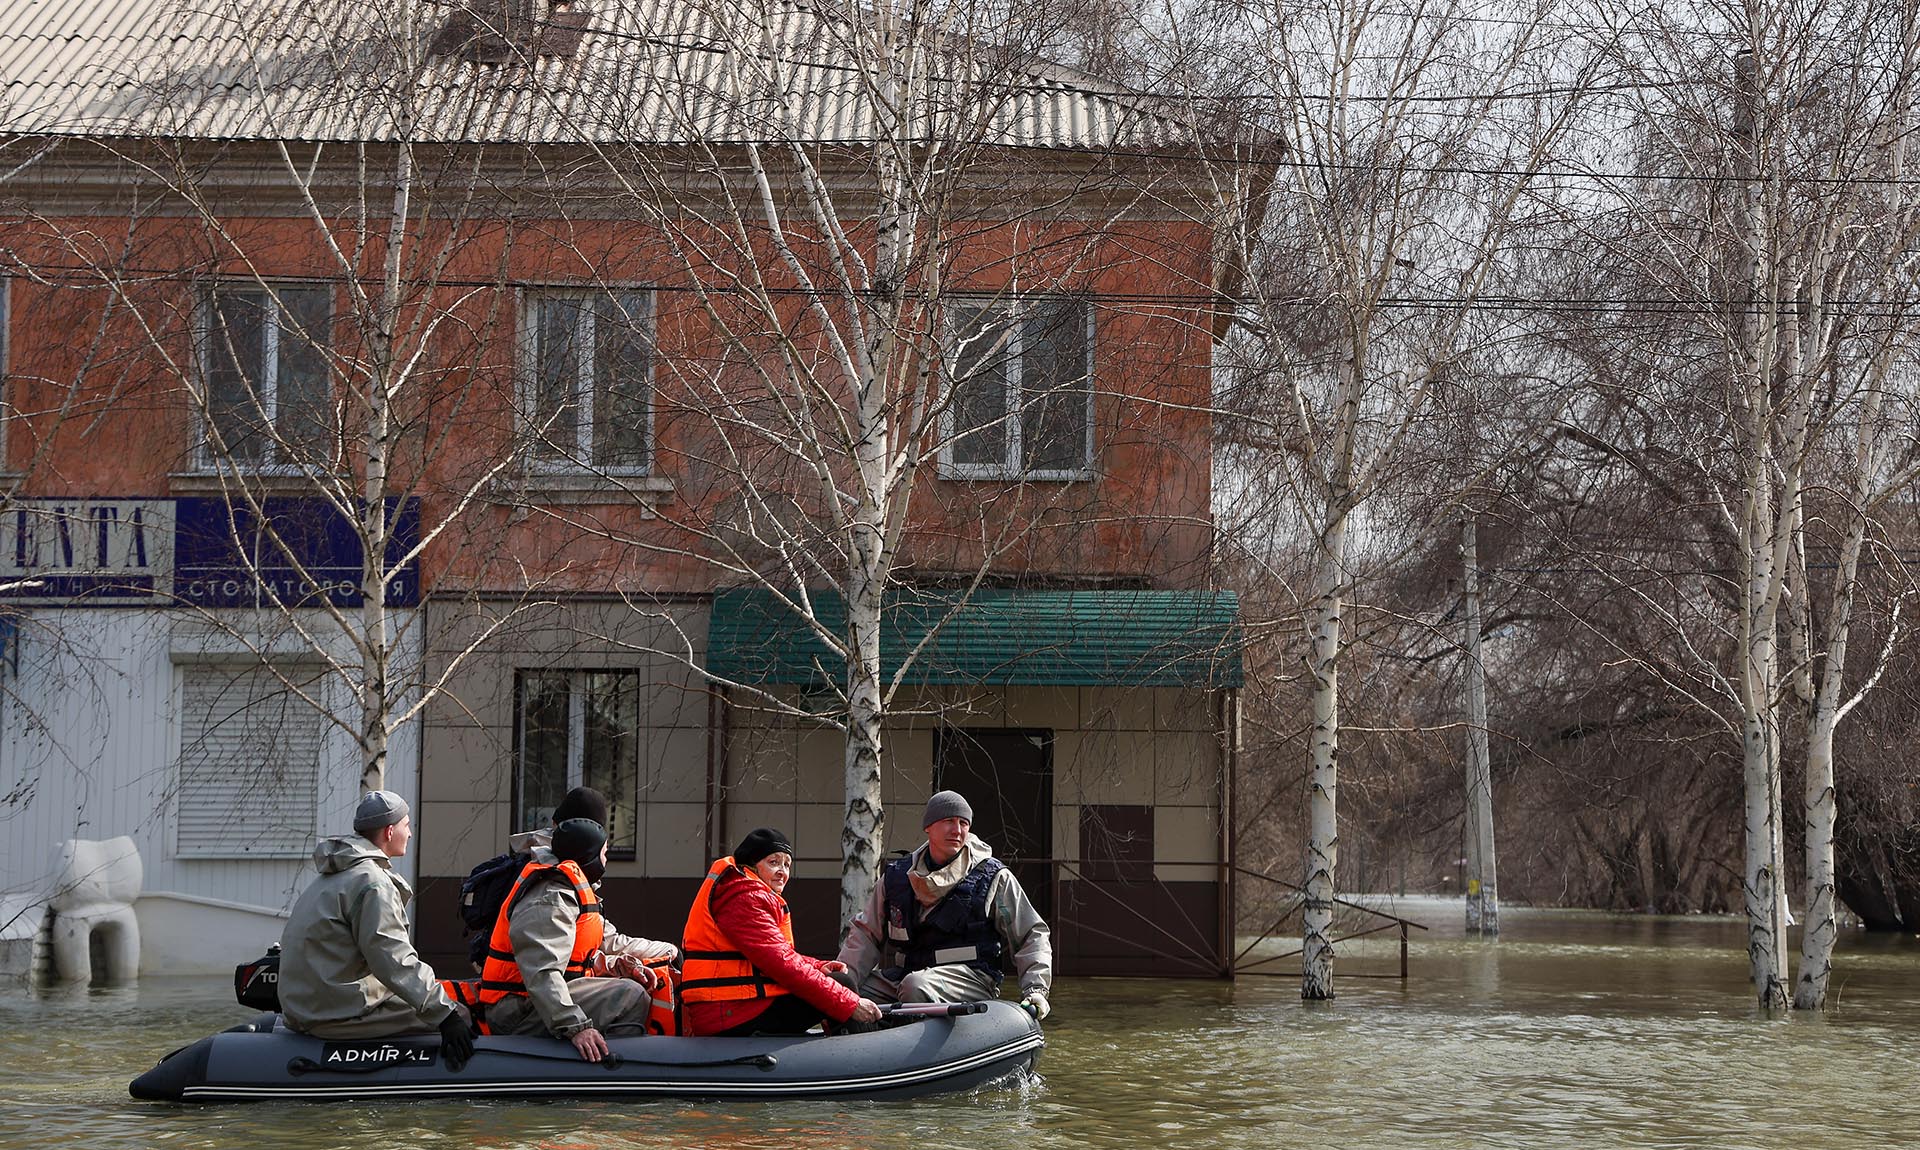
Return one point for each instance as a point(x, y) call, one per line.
point(1007, 777)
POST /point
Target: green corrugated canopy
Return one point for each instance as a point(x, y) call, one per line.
point(991, 638)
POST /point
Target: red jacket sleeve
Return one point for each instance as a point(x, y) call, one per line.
point(747, 912)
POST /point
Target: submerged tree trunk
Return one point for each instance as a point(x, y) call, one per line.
point(1323, 619)
point(1483, 901)
point(1762, 883)
point(1323, 841)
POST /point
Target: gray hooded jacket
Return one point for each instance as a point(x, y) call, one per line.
point(346, 951)
point(541, 925)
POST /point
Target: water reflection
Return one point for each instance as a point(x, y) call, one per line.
point(1575, 1030)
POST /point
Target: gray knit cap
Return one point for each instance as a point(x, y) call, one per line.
point(378, 809)
point(946, 805)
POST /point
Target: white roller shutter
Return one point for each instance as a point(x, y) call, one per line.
point(249, 763)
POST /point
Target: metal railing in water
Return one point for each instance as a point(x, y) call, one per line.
point(1296, 905)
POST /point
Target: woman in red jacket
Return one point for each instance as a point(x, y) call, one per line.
point(740, 973)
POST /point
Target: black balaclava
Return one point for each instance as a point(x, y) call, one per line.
point(580, 840)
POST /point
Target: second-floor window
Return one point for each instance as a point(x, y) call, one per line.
point(265, 373)
point(1021, 404)
point(588, 389)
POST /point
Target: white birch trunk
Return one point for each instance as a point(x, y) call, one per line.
point(1483, 902)
point(1764, 894)
point(376, 635)
point(1758, 671)
point(1820, 796)
point(1323, 841)
point(1323, 619)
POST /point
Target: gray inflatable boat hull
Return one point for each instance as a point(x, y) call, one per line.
point(263, 1061)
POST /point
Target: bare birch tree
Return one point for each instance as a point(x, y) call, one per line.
point(1781, 215)
point(880, 221)
point(1417, 141)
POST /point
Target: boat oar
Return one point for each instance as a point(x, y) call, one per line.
point(932, 1009)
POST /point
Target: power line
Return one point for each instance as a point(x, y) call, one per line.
point(1588, 305)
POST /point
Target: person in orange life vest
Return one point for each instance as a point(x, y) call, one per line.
point(741, 975)
point(549, 942)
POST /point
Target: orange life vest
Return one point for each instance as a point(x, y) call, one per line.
point(711, 969)
point(501, 976)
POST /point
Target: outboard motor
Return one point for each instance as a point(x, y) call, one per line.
point(257, 983)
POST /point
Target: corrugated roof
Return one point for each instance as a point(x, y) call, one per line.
point(647, 71)
point(998, 638)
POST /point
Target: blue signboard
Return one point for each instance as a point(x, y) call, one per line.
point(204, 551)
point(299, 553)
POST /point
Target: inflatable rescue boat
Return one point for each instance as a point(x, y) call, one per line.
point(972, 1045)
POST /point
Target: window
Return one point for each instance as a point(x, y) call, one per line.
point(580, 728)
point(1022, 391)
point(265, 372)
point(588, 390)
point(249, 762)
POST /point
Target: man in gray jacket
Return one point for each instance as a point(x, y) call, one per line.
point(949, 922)
point(347, 964)
point(544, 923)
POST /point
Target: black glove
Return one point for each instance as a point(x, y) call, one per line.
point(456, 1041)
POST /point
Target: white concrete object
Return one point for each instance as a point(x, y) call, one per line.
point(23, 936)
point(95, 888)
point(188, 934)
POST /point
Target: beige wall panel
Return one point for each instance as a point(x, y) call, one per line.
point(1183, 709)
point(1066, 834)
point(457, 623)
point(1116, 708)
point(906, 779)
point(1186, 769)
point(675, 841)
point(453, 836)
point(480, 693)
point(817, 837)
point(821, 772)
point(743, 817)
point(466, 764)
point(923, 708)
point(1056, 708)
point(762, 764)
point(1185, 835)
point(669, 700)
point(1102, 767)
point(673, 766)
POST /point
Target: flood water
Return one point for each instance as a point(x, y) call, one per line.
point(1575, 1030)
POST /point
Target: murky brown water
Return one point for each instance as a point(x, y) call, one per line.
point(1575, 1030)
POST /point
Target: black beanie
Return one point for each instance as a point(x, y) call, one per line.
point(581, 803)
point(579, 840)
point(759, 844)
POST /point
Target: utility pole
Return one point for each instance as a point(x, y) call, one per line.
point(1483, 902)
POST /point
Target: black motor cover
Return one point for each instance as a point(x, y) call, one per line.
point(257, 983)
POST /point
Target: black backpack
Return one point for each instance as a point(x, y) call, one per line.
point(482, 893)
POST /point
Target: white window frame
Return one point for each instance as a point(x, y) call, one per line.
point(580, 455)
point(1009, 466)
point(205, 327)
point(577, 740)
